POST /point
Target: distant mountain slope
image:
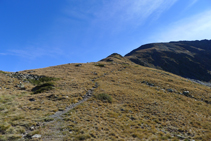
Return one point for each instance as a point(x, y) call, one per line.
point(190, 59)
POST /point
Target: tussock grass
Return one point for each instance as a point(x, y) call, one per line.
point(104, 97)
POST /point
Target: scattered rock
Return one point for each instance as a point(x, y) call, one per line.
point(181, 137)
point(170, 90)
point(32, 128)
point(78, 65)
point(132, 118)
point(96, 85)
point(31, 71)
point(94, 73)
point(36, 136)
point(21, 86)
point(147, 83)
point(22, 76)
point(186, 93)
point(31, 99)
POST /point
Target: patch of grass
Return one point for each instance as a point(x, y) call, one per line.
point(43, 88)
point(42, 80)
point(20, 129)
point(3, 72)
point(100, 65)
point(4, 99)
point(4, 127)
point(3, 138)
point(14, 137)
point(17, 118)
point(30, 134)
point(48, 119)
point(104, 97)
point(82, 137)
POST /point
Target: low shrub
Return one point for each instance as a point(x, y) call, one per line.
point(42, 80)
point(104, 97)
point(100, 65)
point(43, 88)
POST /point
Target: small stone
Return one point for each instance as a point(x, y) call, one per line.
point(31, 99)
point(32, 128)
point(132, 118)
point(186, 93)
point(36, 136)
point(21, 86)
point(94, 73)
point(181, 137)
point(170, 90)
point(78, 65)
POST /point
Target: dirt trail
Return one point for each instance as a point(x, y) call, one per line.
point(58, 114)
point(54, 126)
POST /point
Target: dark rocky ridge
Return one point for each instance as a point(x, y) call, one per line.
point(190, 59)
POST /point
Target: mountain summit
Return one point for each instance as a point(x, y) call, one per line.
point(190, 59)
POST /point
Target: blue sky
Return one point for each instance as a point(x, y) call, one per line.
point(41, 33)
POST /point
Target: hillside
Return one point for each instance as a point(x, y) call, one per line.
point(113, 99)
point(190, 59)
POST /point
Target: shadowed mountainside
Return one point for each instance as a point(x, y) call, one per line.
point(190, 59)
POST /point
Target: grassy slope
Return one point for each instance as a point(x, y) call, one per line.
point(137, 112)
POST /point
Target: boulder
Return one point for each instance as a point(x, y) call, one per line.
point(186, 93)
point(170, 90)
point(36, 136)
point(21, 86)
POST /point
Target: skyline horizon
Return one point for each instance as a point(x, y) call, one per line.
point(38, 34)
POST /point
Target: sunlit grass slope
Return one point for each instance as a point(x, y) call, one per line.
point(131, 102)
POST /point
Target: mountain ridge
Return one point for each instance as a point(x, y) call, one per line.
point(190, 59)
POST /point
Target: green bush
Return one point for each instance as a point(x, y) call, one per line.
point(42, 80)
point(43, 88)
point(104, 97)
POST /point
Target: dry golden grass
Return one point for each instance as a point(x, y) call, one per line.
point(137, 112)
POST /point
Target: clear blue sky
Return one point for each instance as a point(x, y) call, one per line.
point(42, 33)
